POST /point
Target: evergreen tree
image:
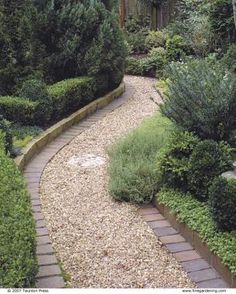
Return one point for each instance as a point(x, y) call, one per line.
point(80, 38)
point(15, 43)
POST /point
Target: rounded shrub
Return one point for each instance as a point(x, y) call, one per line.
point(173, 161)
point(155, 39)
point(175, 48)
point(36, 90)
point(208, 160)
point(222, 202)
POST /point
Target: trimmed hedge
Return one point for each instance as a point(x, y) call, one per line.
point(64, 98)
point(18, 109)
point(196, 215)
point(69, 95)
point(18, 263)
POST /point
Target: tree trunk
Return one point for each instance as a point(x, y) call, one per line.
point(122, 13)
point(234, 8)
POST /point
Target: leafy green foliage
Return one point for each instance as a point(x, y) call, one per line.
point(201, 99)
point(222, 203)
point(173, 160)
point(132, 166)
point(69, 95)
point(134, 66)
point(208, 160)
point(196, 216)
point(153, 65)
point(229, 59)
point(222, 21)
point(17, 228)
point(18, 110)
point(36, 90)
point(5, 129)
point(15, 43)
point(175, 48)
point(22, 135)
point(155, 39)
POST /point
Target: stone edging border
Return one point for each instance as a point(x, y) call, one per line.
point(37, 144)
point(193, 238)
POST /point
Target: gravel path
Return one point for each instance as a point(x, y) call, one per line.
point(102, 243)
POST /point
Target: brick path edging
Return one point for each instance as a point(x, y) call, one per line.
point(194, 256)
point(50, 275)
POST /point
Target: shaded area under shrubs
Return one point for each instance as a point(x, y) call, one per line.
point(17, 227)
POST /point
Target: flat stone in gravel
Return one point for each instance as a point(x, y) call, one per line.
point(102, 243)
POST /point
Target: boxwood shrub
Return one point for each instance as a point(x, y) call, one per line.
point(18, 110)
point(18, 264)
point(222, 201)
point(69, 95)
point(196, 215)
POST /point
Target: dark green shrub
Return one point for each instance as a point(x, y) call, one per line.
point(201, 99)
point(229, 59)
point(153, 65)
point(79, 38)
point(36, 90)
point(15, 43)
point(5, 129)
point(208, 160)
point(133, 66)
point(175, 48)
point(17, 229)
point(136, 41)
point(222, 21)
point(173, 160)
point(69, 95)
point(18, 110)
point(222, 202)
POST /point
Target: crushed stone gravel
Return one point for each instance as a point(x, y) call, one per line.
point(102, 243)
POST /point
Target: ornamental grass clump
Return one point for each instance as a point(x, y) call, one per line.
point(132, 166)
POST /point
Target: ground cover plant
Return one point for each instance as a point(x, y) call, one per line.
point(132, 166)
point(197, 216)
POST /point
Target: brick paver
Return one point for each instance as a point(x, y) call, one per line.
point(197, 268)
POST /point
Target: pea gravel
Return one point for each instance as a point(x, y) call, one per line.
point(102, 243)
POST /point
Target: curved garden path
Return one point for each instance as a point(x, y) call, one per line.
point(102, 243)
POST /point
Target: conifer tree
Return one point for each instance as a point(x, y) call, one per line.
point(15, 43)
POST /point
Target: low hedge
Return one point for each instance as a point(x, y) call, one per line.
point(18, 110)
point(18, 263)
point(196, 215)
point(69, 95)
point(64, 98)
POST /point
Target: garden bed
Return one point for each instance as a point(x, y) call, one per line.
point(192, 220)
